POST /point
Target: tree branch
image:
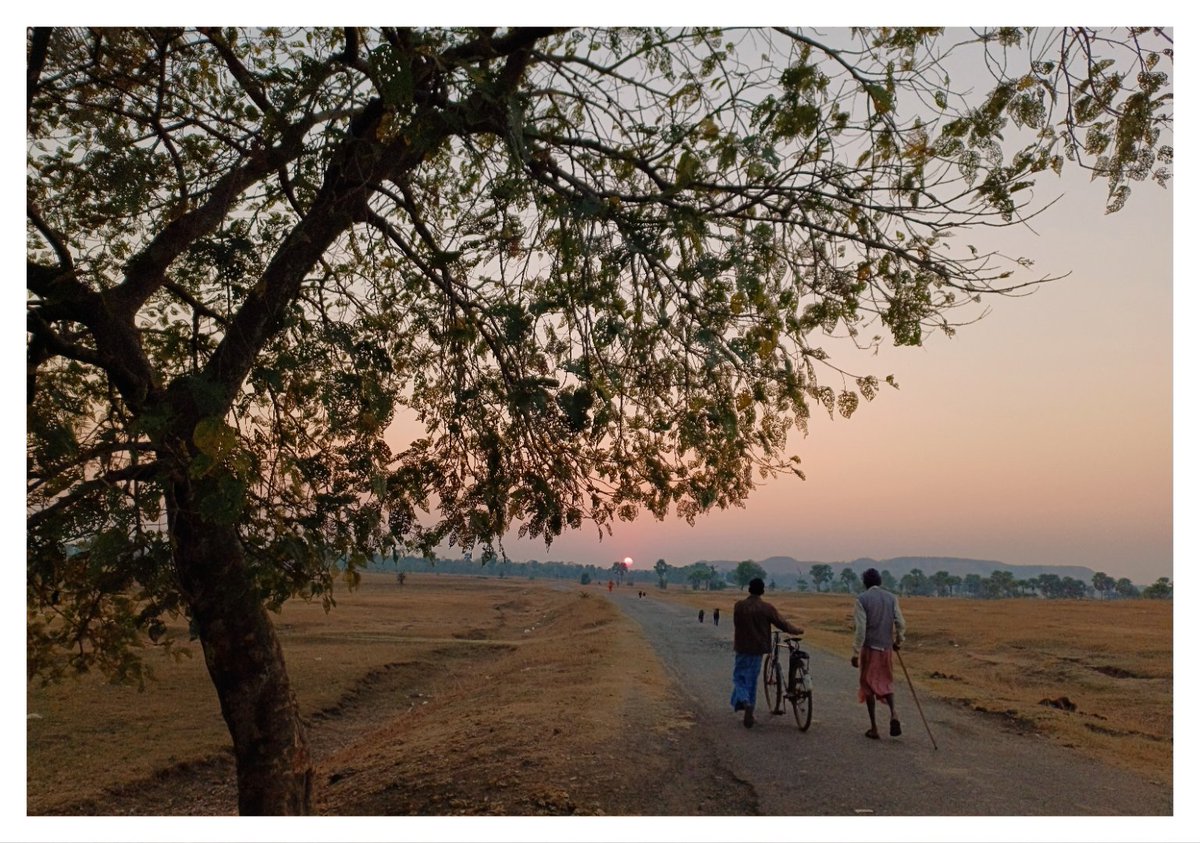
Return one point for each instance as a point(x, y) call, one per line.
point(145, 272)
point(52, 237)
point(141, 471)
point(54, 345)
point(106, 449)
point(195, 304)
point(39, 44)
point(487, 46)
point(350, 177)
point(243, 76)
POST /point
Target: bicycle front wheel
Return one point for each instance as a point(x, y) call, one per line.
point(800, 696)
point(772, 681)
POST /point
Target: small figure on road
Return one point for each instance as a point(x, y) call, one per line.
point(753, 618)
point(701, 616)
point(717, 616)
point(878, 629)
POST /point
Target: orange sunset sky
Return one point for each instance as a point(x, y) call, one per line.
point(1041, 435)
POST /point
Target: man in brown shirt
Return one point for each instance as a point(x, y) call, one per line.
point(753, 618)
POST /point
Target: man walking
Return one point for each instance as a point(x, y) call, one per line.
point(878, 629)
point(753, 618)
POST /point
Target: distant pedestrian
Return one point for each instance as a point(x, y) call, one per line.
point(753, 618)
point(716, 616)
point(878, 630)
point(701, 616)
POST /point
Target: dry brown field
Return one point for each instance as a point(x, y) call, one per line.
point(446, 695)
point(1111, 660)
point(456, 695)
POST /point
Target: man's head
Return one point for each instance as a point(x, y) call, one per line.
point(757, 586)
point(871, 577)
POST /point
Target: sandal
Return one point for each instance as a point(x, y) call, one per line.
point(895, 730)
point(872, 734)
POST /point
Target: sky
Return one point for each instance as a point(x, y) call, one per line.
point(1041, 435)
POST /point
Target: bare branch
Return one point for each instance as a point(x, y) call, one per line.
point(141, 471)
point(56, 241)
point(39, 44)
point(240, 73)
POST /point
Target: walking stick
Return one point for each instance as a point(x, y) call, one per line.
point(914, 695)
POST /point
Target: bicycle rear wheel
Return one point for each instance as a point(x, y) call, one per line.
point(800, 693)
point(772, 682)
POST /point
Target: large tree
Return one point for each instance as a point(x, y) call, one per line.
point(596, 267)
point(850, 580)
point(821, 573)
point(663, 570)
point(1104, 584)
point(698, 574)
point(745, 571)
point(1160, 589)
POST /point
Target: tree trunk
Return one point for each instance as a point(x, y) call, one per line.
point(245, 662)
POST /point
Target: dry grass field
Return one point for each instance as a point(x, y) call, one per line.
point(459, 695)
point(412, 707)
point(1111, 661)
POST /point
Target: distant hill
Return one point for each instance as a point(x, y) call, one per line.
point(787, 568)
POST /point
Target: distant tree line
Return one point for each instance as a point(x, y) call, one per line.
point(498, 566)
point(998, 585)
point(821, 578)
point(699, 575)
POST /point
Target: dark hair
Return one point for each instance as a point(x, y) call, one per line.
point(757, 586)
point(871, 577)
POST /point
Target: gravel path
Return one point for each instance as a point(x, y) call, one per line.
point(981, 766)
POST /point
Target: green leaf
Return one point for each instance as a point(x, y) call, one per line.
point(687, 169)
point(215, 439)
point(395, 76)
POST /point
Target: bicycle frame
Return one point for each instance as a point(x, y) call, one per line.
point(799, 689)
point(799, 657)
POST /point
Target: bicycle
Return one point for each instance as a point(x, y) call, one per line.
point(798, 690)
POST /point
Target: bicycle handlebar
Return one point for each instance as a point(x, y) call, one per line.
point(792, 641)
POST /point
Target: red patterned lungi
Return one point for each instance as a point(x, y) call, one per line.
point(874, 673)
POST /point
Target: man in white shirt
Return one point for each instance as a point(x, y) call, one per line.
point(878, 629)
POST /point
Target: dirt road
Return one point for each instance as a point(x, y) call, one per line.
point(981, 766)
